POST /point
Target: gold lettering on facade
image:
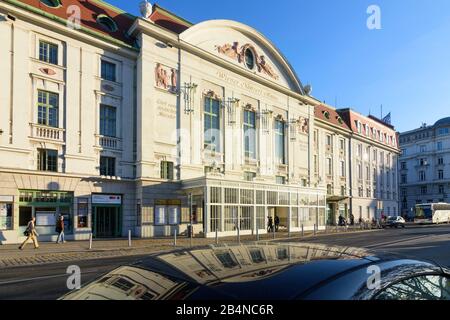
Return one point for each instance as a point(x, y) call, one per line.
point(246, 86)
point(166, 110)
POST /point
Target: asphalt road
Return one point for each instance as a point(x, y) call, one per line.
point(421, 242)
point(48, 282)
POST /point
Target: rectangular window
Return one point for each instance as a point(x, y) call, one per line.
point(280, 180)
point(48, 52)
point(342, 173)
point(250, 134)
point(47, 160)
point(108, 71)
point(404, 178)
point(440, 146)
point(441, 174)
point(342, 144)
point(48, 108)
point(212, 125)
point(329, 166)
point(441, 189)
point(423, 190)
point(329, 140)
point(249, 176)
point(107, 166)
point(280, 141)
point(403, 166)
point(167, 170)
point(107, 121)
point(422, 176)
point(440, 161)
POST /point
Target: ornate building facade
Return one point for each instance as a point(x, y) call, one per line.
point(149, 124)
point(424, 175)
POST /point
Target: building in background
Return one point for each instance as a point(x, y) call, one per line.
point(424, 166)
point(355, 157)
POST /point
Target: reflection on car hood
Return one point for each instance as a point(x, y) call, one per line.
point(259, 271)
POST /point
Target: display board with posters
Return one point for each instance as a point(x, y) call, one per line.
point(45, 218)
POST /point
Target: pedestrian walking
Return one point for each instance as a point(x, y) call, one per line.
point(31, 234)
point(277, 223)
point(352, 219)
point(60, 230)
point(270, 224)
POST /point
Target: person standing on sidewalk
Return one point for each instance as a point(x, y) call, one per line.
point(60, 230)
point(31, 234)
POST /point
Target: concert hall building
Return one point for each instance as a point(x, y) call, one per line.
point(150, 124)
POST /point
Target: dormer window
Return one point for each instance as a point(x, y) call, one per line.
point(51, 3)
point(326, 114)
point(107, 23)
point(339, 119)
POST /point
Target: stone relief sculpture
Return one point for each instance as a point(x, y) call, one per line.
point(236, 52)
point(304, 125)
point(164, 80)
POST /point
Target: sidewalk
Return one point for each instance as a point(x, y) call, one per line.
point(11, 256)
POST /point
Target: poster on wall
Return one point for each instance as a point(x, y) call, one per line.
point(3, 210)
point(44, 218)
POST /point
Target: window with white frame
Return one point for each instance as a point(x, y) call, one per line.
point(108, 71)
point(48, 52)
point(212, 124)
point(108, 123)
point(250, 134)
point(280, 141)
point(48, 108)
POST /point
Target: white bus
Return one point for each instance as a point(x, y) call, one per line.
point(432, 213)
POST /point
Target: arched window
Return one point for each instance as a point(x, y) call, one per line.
point(107, 23)
point(250, 59)
point(51, 3)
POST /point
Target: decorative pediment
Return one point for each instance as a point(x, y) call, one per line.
point(248, 56)
point(212, 95)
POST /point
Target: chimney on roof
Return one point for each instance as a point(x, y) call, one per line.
point(146, 9)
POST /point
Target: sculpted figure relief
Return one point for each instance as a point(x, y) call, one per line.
point(237, 53)
point(164, 80)
point(304, 125)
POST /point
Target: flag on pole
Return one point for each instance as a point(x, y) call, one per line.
point(388, 118)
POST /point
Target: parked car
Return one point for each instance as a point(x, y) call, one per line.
point(394, 222)
point(271, 272)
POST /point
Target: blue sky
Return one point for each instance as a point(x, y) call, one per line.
point(405, 66)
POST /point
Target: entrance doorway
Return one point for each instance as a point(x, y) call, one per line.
point(107, 222)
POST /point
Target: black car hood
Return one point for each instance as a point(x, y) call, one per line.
point(257, 271)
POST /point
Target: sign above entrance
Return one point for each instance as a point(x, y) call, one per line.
point(106, 199)
point(6, 199)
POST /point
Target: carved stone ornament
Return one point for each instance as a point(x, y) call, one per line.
point(48, 71)
point(236, 52)
point(166, 78)
point(211, 94)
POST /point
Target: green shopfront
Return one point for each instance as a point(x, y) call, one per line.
point(107, 215)
point(46, 207)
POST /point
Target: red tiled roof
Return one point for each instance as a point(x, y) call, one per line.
point(90, 10)
point(321, 112)
point(167, 20)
